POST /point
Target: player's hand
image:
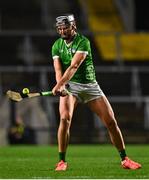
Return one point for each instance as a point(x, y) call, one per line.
point(55, 91)
point(63, 93)
point(59, 91)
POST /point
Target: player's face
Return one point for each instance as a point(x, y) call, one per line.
point(65, 31)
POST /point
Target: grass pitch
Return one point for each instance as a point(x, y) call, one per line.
point(85, 162)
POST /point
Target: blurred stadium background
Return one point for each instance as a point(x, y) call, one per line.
point(118, 30)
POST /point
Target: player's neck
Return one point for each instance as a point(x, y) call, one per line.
point(69, 41)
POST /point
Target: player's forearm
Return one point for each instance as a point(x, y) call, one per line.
point(58, 69)
point(67, 75)
point(58, 76)
point(70, 71)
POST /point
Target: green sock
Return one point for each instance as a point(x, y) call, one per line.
point(62, 156)
point(122, 154)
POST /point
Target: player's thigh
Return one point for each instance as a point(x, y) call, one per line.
point(103, 109)
point(67, 105)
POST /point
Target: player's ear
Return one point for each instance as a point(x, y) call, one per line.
point(74, 26)
point(57, 30)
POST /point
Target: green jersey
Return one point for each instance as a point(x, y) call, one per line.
point(86, 72)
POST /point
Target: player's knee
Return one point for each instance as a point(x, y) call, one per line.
point(65, 116)
point(65, 119)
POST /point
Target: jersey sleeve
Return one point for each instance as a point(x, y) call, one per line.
point(55, 51)
point(84, 46)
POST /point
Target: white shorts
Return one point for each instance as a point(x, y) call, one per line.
point(85, 92)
